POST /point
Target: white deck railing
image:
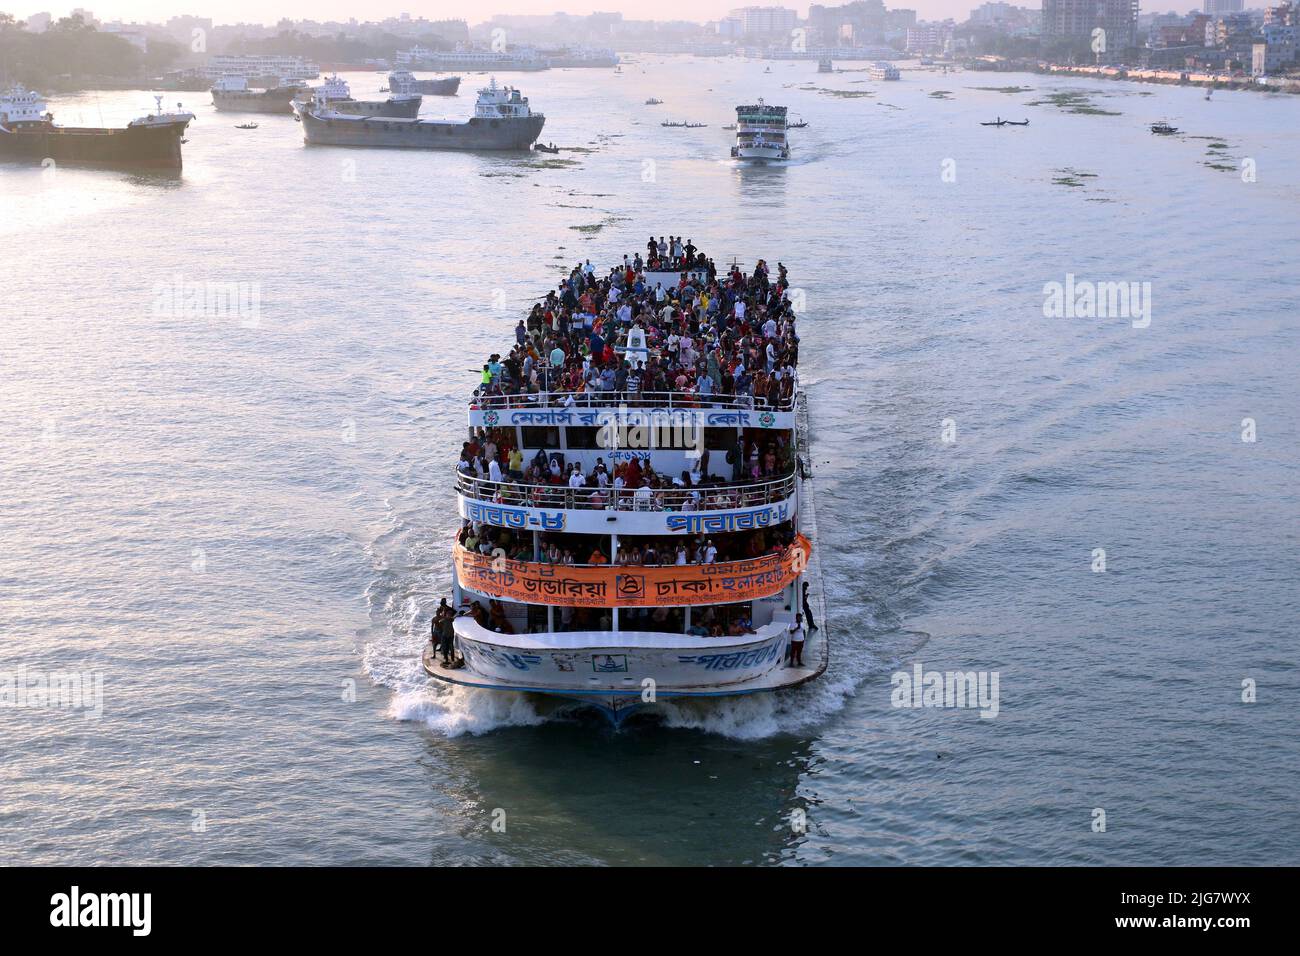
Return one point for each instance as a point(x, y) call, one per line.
point(703, 498)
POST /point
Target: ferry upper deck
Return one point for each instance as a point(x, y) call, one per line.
point(664, 330)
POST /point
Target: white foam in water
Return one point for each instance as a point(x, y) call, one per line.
point(453, 711)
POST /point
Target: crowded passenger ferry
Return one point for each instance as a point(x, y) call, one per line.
point(633, 490)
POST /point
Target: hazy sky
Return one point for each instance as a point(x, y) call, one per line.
point(268, 11)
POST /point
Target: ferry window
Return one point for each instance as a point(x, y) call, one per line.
point(719, 439)
point(541, 436)
point(582, 438)
point(677, 436)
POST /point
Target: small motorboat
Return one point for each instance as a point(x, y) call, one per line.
point(246, 126)
point(685, 125)
point(653, 102)
point(801, 124)
point(1163, 129)
point(543, 148)
point(730, 126)
point(1001, 122)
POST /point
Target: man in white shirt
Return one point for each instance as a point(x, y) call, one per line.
point(710, 553)
point(494, 470)
point(740, 310)
point(576, 479)
point(796, 641)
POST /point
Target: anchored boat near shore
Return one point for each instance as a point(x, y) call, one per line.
point(335, 94)
point(28, 132)
point(233, 94)
point(403, 81)
point(502, 120)
point(638, 528)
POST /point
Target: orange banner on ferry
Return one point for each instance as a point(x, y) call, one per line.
point(632, 585)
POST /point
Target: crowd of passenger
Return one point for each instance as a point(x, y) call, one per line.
point(540, 481)
point(639, 551)
point(709, 620)
point(705, 334)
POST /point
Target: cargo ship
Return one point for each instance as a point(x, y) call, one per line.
point(28, 132)
point(636, 520)
point(233, 94)
point(502, 120)
point(403, 81)
point(335, 94)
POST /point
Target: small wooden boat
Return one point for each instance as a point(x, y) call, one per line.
point(246, 126)
point(543, 148)
point(685, 125)
point(653, 102)
point(1163, 129)
point(1001, 122)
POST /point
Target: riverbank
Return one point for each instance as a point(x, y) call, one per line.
point(1271, 84)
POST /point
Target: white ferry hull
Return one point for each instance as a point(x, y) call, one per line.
point(620, 679)
point(761, 154)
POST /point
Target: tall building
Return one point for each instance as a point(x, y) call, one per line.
point(764, 21)
point(928, 38)
point(1076, 19)
point(860, 21)
point(1216, 7)
point(1284, 14)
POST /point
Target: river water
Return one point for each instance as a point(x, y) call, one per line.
point(243, 523)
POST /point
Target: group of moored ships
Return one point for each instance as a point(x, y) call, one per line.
point(503, 120)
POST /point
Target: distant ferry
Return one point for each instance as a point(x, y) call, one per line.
point(253, 66)
point(438, 61)
point(581, 58)
point(403, 81)
point(760, 133)
point(883, 71)
point(28, 132)
point(502, 120)
point(335, 94)
point(233, 94)
point(627, 539)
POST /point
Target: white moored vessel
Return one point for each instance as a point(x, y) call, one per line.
point(760, 133)
point(635, 522)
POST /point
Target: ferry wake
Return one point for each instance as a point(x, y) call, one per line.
point(636, 516)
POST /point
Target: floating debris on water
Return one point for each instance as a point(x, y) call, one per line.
point(941, 95)
point(1072, 177)
point(1073, 101)
point(1006, 89)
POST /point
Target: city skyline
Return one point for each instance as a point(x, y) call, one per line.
point(249, 11)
